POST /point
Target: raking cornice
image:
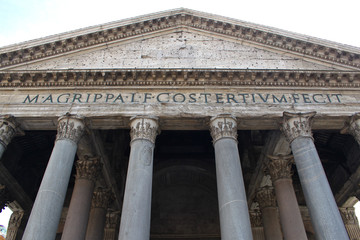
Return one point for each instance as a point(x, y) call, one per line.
point(116, 31)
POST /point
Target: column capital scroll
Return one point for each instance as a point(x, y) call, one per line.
point(348, 215)
point(112, 219)
point(279, 167)
point(71, 127)
point(265, 197)
point(144, 127)
point(223, 126)
point(296, 125)
point(8, 129)
point(102, 198)
point(88, 168)
point(353, 127)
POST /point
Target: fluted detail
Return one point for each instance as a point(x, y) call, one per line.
point(223, 126)
point(279, 167)
point(88, 168)
point(70, 127)
point(296, 125)
point(351, 222)
point(143, 127)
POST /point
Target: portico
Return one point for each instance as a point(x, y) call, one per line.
point(180, 125)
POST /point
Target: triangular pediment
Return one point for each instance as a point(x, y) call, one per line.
point(180, 38)
point(178, 49)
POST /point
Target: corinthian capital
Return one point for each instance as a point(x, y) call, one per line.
point(143, 127)
point(353, 127)
point(255, 219)
point(296, 125)
point(279, 167)
point(88, 168)
point(223, 126)
point(265, 197)
point(8, 129)
point(102, 198)
point(70, 127)
point(348, 215)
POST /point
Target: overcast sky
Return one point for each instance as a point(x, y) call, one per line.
point(23, 20)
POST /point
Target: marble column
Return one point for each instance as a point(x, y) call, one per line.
point(46, 212)
point(135, 217)
point(266, 198)
point(14, 224)
point(279, 168)
point(233, 208)
point(87, 170)
point(112, 222)
point(319, 199)
point(96, 225)
point(351, 222)
point(8, 129)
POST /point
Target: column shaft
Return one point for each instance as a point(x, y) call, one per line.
point(96, 225)
point(266, 199)
point(290, 216)
point(233, 209)
point(79, 209)
point(46, 212)
point(136, 211)
point(320, 201)
point(323, 210)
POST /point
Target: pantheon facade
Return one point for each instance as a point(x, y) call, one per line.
point(180, 125)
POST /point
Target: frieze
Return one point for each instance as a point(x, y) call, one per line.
point(176, 19)
point(234, 98)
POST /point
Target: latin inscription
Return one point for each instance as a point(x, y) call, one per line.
point(190, 98)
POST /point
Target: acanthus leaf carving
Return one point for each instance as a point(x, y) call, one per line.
point(143, 127)
point(70, 127)
point(296, 125)
point(223, 126)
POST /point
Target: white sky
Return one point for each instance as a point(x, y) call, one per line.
point(23, 20)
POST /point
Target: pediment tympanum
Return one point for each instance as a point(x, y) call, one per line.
point(178, 49)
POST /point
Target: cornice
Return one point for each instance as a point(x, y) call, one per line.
point(116, 31)
point(179, 77)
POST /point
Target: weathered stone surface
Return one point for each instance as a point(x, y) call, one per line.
point(179, 49)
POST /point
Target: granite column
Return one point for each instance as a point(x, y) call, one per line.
point(99, 205)
point(233, 208)
point(267, 202)
point(135, 217)
point(279, 168)
point(46, 212)
point(87, 170)
point(320, 201)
